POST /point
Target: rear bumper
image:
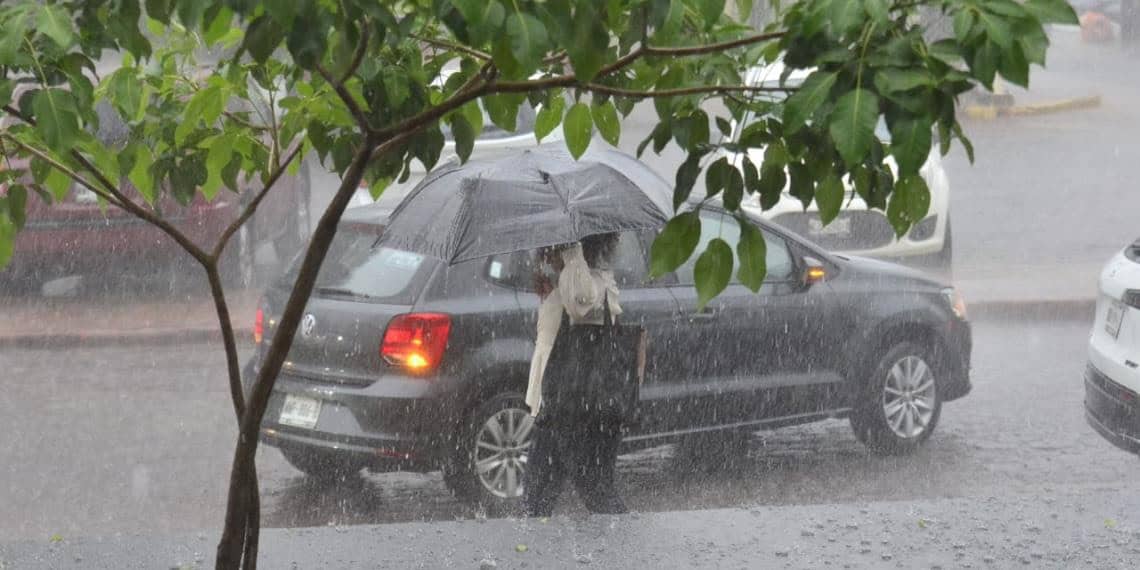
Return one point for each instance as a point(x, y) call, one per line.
point(1112, 410)
point(410, 432)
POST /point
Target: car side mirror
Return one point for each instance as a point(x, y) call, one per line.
point(814, 271)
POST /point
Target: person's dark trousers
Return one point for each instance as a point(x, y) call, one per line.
point(584, 448)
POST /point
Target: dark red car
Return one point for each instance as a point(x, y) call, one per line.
point(78, 236)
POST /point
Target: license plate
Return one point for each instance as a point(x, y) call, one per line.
point(1113, 319)
point(300, 411)
point(837, 227)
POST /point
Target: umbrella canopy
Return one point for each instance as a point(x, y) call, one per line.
point(537, 198)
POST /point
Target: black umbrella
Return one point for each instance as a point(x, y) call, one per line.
point(537, 198)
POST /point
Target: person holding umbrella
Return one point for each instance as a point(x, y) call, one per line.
point(571, 438)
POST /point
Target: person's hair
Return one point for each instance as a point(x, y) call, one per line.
point(599, 249)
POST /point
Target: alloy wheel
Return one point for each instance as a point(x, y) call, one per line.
point(501, 449)
point(909, 397)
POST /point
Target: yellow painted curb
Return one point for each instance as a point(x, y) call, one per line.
point(989, 112)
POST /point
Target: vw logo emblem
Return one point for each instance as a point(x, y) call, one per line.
point(308, 324)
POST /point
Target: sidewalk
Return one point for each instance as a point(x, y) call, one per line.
point(37, 321)
point(1083, 529)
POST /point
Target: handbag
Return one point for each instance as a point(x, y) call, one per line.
point(594, 370)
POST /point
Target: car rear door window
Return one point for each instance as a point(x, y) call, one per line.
point(516, 270)
point(713, 225)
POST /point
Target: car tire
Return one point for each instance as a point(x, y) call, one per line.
point(899, 405)
point(296, 232)
point(324, 466)
point(489, 465)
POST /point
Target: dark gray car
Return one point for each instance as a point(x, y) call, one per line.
point(403, 362)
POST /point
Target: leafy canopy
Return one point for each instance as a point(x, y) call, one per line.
point(215, 92)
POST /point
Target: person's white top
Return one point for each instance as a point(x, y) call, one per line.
point(580, 293)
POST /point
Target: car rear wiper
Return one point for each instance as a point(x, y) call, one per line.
point(341, 292)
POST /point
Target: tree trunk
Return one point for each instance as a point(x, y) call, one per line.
point(243, 499)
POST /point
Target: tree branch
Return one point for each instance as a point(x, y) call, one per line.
point(123, 202)
point(448, 45)
point(647, 50)
point(358, 56)
point(67, 171)
point(681, 91)
point(243, 122)
point(346, 97)
point(250, 208)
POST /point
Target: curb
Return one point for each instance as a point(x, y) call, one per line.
point(1033, 310)
point(990, 112)
point(165, 337)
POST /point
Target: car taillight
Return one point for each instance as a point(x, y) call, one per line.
point(416, 341)
point(258, 326)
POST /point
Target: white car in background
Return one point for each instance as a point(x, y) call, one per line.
point(1112, 377)
point(858, 230)
point(492, 143)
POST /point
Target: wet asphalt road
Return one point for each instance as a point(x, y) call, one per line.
point(138, 439)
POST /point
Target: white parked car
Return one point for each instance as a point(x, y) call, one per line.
point(492, 143)
point(1112, 377)
point(858, 230)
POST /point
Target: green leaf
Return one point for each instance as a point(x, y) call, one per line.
point(140, 174)
point(985, 63)
point(713, 271)
point(159, 10)
point(1052, 11)
point(733, 190)
point(56, 120)
point(17, 202)
point(675, 244)
point(845, 16)
point(997, 30)
point(911, 140)
point(753, 254)
point(204, 106)
point(829, 198)
point(7, 240)
point(966, 144)
point(711, 11)
point(528, 40)
point(261, 38)
point(464, 136)
point(963, 24)
point(220, 153)
point(219, 26)
point(58, 183)
point(503, 109)
point(578, 128)
point(717, 176)
point(588, 43)
point(852, 124)
point(893, 80)
point(606, 119)
point(692, 131)
point(687, 175)
point(909, 203)
point(549, 116)
point(773, 179)
point(804, 102)
point(125, 91)
point(55, 23)
point(878, 10)
point(1014, 66)
point(802, 186)
point(751, 176)
point(474, 115)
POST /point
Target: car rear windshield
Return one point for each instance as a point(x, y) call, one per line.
point(356, 269)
